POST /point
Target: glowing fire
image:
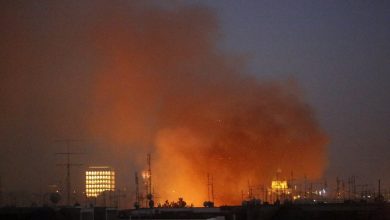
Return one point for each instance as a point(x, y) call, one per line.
point(165, 85)
point(277, 185)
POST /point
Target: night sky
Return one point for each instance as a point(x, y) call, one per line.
point(336, 52)
point(339, 51)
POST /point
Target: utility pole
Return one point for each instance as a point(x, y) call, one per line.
point(149, 192)
point(262, 192)
point(1, 193)
point(68, 165)
point(250, 191)
point(150, 174)
point(305, 186)
point(137, 202)
point(208, 187)
point(292, 185)
point(349, 187)
point(212, 188)
point(354, 187)
point(311, 191)
point(338, 188)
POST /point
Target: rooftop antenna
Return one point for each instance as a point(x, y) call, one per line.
point(210, 192)
point(150, 174)
point(210, 188)
point(311, 191)
point(263, 192)
point(1, 193)
point(292, 184)
point(149, 189)
point(305, 186)
point(337, 188)
point(250, 190)
point(137, 204)
point(352, 187)
point(68, 165)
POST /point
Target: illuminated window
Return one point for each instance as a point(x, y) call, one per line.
point(98, 180)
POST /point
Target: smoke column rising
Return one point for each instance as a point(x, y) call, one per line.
point(151, 78)
point(167, 83)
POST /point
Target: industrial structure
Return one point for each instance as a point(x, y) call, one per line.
point(147, 180)
point(280, 187)
point(68, 166)
point(99, 179)
point(210, 192)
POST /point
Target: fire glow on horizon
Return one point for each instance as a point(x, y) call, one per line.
point(153, 79)
point(167, 85)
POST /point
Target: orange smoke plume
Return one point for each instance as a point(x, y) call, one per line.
point(164, 83)
point(149, 77)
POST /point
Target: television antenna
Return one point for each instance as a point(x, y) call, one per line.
point(68, 164)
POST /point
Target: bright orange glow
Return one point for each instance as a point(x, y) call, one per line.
point(164, 87)
point(279, 185)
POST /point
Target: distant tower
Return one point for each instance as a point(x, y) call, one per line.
point(380, 197)
point(150, 175)
point(147, 177)
point(305, 186)
point(338, 188)
point(1, 193)
point(292, 186)
point(250, 191)
point(212, 188)
point(68, 165)
point(351, 187)
point(137, 198)
point(210, 192)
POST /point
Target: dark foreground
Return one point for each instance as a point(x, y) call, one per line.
point(288, 212)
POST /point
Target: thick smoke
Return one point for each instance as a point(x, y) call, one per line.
point(151, 78)
point(166, 84)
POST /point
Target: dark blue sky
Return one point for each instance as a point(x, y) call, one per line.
point(339, 51)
